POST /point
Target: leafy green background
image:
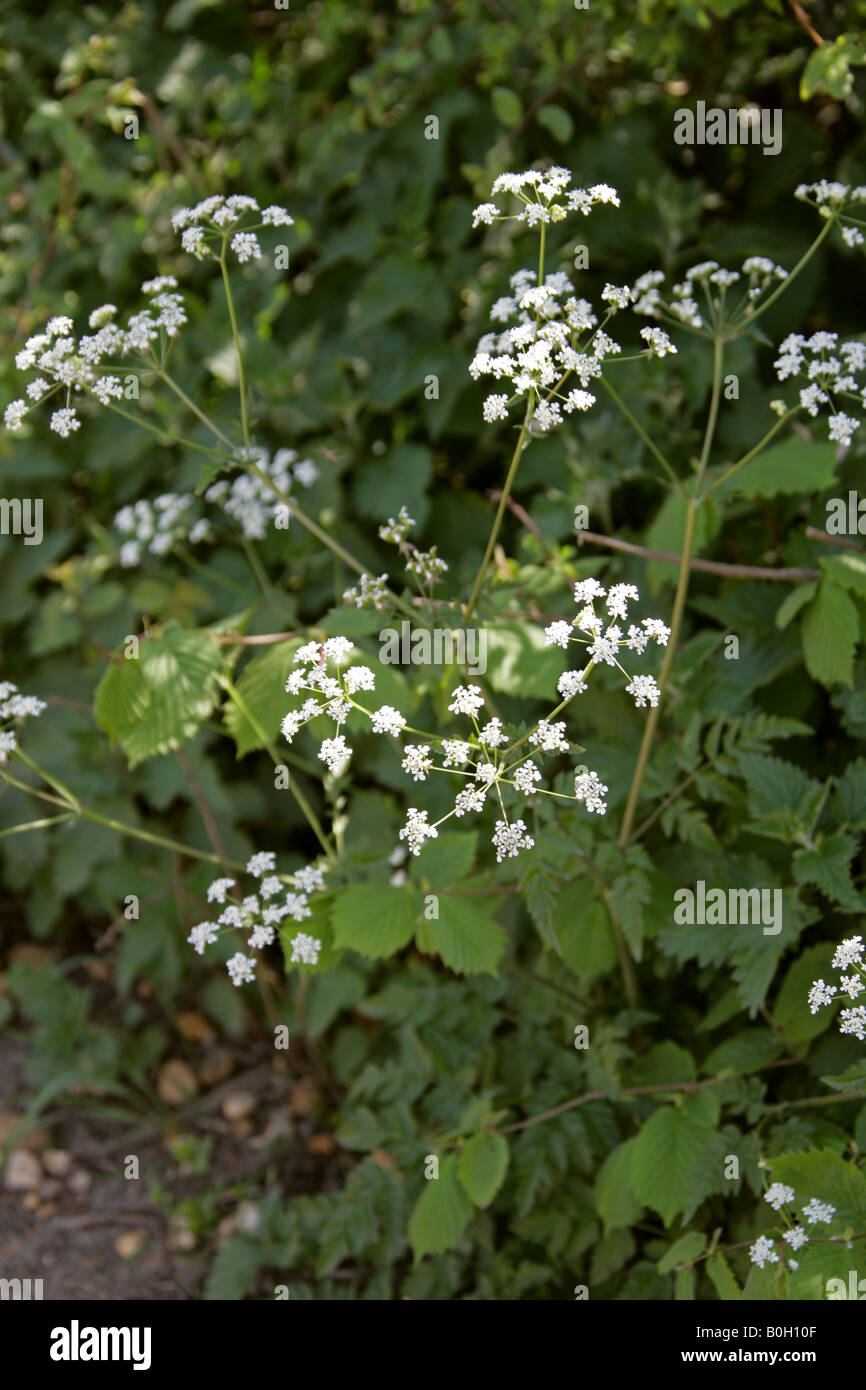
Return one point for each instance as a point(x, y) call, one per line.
point(441, 1033)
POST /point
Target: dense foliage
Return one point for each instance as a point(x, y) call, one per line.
point(607, 1089)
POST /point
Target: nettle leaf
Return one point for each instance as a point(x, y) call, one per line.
point(466, 939)
point(482, 1166)
point(262, 687)
point(585, 932)
point(830, 629)
point(782, 797)
point(153, 705)
point(853, 1078)
point(849, 798)
point(819, 1264)
point(664, 1154)
point(788, 468)
point(828, 867)
point(441, 1213)
point(848, 570)
point(375, 919)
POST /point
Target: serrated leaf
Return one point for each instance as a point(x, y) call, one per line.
point(830, 630)
point(790, 1013)
point(158, 702)
point(788, 468)
point(744, 1053)
point(725, 1284)
point(441, 1213)
point(466, 939)
point(445, 860)
point(482, 1166)
point(793, 602)
point(823, 1174)
point(375, 919)
point(853, 1078)
point(828, 867)
point(849, 797)
point(664, 1153)
point(615, 1201)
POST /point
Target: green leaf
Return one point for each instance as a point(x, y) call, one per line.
point(852, 1078)
point(683, 1251)
point(466, 939)
point(788, 468)
point(793, 602)
point(153, 705)
point(584, 931)
point(507, 107)
point(848, 571)
point(664, 1154)
point(824, 1174)
point(441, 1213)
point(557, 120)
point(744, 1053)
point(828, 867)
point(375, 919)
point(791, 1012)
point(445, 860)
point(482, 1166)
point(518, 663)
point(849, 797)
point(829, 68)
point(830, 630)
point(719, 1272)
point(262, 687)
point(615, 1201)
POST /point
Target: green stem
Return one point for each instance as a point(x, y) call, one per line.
point(500, 511)
point(652, 721)
point(37, 824)
point(804, 260)
point(199, 414)
point(242, 388)
point(312, 819)
point(709, 432)
point(735, 467)
point(636, 425)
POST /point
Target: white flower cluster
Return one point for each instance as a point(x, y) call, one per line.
point(545, 195)
point(848, 957)
point(831, 369)
point(65, 364)
point(712, 282)
point(765, 1250)
point(488, 762)
point(604, 637)
point(260, 914)
point(173, 518)
point(249, 500)
point(13, 705)
point(831, 200)
point(216, 221)
point(541, 348)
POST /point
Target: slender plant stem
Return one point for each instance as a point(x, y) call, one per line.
point(312, 819)
point(636, 425)
point(785, 284)
point(500, 511)
point(762, 444)
point(652, 720)
point(242, 388)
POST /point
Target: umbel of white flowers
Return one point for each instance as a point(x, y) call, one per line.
point(260, 914)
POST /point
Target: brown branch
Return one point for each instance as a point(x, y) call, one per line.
point(788, 576)
point(803, 19)
point(521, 514)
point(815, 535)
